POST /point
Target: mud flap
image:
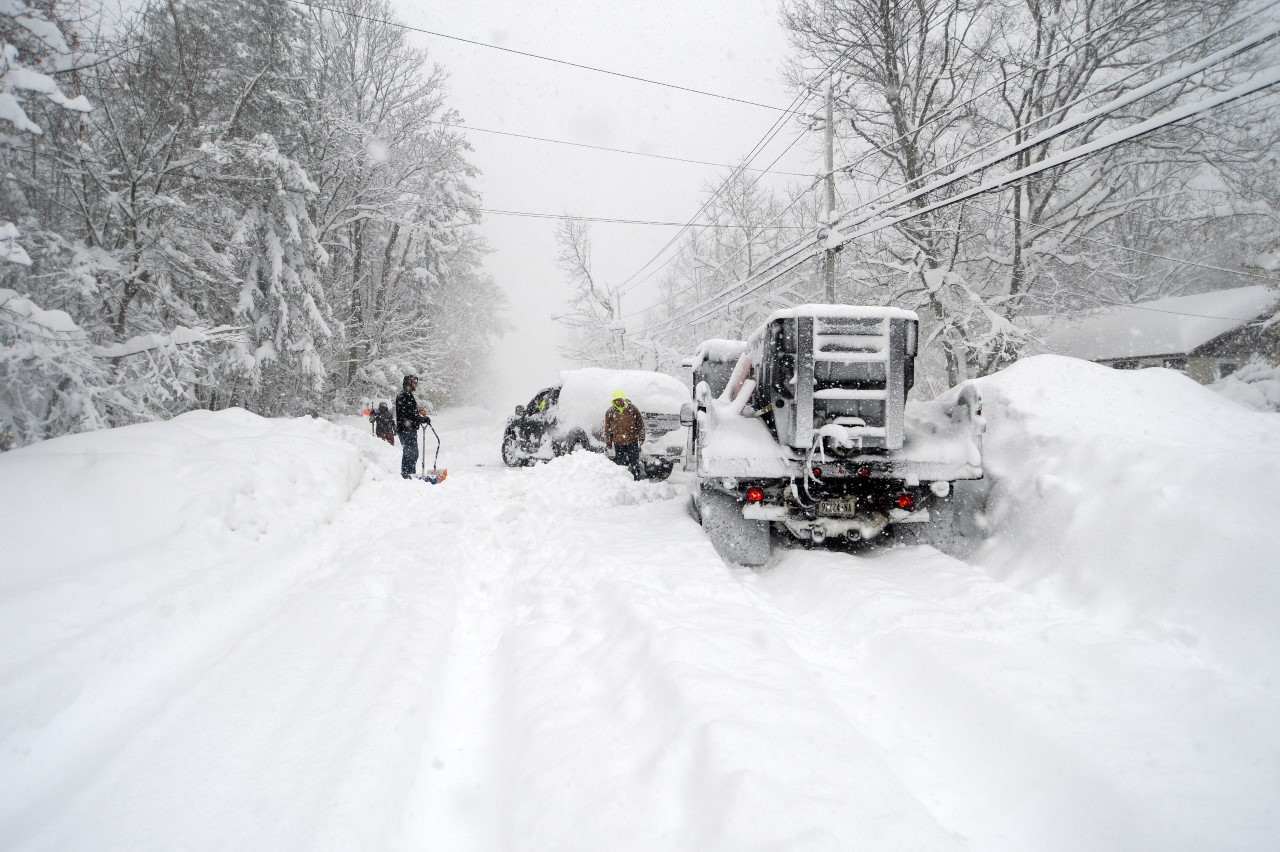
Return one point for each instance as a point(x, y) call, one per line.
point(735, 538)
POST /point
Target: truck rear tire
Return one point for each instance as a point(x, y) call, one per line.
point(735, 538)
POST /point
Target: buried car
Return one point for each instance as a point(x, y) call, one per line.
point(570, 416)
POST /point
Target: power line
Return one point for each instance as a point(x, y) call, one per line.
point(851, 167)
point(371, 19)
point(1072, 123)
point(779, 256)
point(472, 128)
point(770, 134)
point(1262, 82)
point(1246, 44)
point(1177, 260)
point(769, 224)
point(522, 213)
point(1141, 307)
point(1103, 30)
point(608, 220)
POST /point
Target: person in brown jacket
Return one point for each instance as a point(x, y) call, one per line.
point(624, 433)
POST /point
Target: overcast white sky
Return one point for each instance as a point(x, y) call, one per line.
point(734, 47)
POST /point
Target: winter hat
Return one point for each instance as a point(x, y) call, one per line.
point(619, 398)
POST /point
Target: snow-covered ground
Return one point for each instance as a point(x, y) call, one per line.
point(225, 632)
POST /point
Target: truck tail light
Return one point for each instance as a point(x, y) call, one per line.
point(906, 501)
point(755, 495)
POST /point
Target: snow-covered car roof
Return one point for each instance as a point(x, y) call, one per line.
point(586, 394)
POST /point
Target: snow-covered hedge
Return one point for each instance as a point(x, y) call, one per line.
point(1255, 385)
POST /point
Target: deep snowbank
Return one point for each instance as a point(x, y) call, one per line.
point(89, 496)
point(145, 543)
point(1140, 496)
point(229, 632)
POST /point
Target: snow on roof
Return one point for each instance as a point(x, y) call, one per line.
point(1173, 326)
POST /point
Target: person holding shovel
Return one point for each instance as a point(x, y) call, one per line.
point(408, 418)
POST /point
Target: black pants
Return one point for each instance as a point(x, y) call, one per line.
point(628, 455)
point(408, 441)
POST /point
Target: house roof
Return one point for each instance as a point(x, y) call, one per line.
point(1164, 327)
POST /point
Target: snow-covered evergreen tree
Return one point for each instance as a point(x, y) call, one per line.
point(262, 210)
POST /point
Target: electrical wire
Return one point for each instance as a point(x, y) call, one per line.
point(566, 216)
point(790, 251)
point(631, 282)
point(801, 97)
point(1047, 135)
point(523, 213)
point(1193, 111)
point(1103, 30)
point(1177, 260)
point(1062, 127)
point(852, 166)
point(474, 129)
point(1261, 82)
point(706, 225)
point(322, 8)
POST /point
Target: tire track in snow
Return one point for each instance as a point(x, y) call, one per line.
point(685, 703)
point(116, 704)
point(311, 703)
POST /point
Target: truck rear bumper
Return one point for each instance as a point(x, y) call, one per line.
point(864, 525)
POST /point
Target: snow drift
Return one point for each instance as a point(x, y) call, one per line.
point(1141, 497)
point(229, 632)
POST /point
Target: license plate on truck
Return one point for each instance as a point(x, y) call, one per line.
point(846, 508)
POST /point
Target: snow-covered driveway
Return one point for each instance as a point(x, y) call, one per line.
point(249, 634)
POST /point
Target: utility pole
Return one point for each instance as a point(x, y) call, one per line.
point(617, 327)
point(831, 190)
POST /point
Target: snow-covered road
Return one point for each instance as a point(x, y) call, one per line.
point(272, 642)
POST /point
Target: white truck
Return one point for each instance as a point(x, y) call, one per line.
point(810, 432)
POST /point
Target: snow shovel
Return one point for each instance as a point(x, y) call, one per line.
point(436, 474)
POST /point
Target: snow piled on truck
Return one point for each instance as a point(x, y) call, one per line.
point(1141, 497)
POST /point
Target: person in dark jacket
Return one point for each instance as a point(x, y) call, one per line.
point(384, 425)
point(408, 418)
point(624, 433)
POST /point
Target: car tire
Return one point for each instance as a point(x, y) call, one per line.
point(658, 471)
point(574, 442)
point(511, 455)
